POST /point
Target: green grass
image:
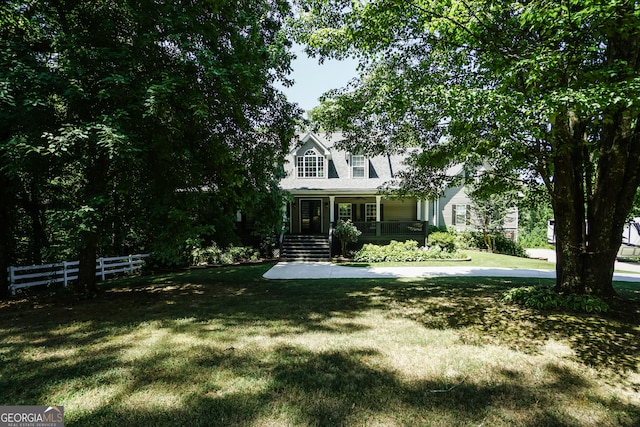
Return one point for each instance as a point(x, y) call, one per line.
point(477, 259)
point(223, 347)
point(483, 259)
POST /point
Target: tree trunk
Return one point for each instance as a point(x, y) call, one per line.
point(7, 209)
point(95, 194)
point(591, 203)
point(568, 203)
point(86, 286)
point(594, 189)
point(39, 240)
point(5, 248)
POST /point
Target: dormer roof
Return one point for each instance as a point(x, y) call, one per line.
point(339, 176)
point(312, 140)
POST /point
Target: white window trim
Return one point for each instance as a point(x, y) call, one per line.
point(340, 217)
point(367, 216)
point(302, 167)
point(365, 169)
point(456, 213)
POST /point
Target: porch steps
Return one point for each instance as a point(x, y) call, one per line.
point(305, 248)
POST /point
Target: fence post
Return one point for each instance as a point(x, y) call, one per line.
point(65, 273)
point(101, 261)
point(130, 264)
point(12, 280)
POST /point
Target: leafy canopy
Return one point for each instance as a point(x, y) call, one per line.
point(472, 81)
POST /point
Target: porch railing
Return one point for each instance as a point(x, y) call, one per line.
point(392, 228)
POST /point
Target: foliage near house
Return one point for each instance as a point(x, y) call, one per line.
point(130, 126)
point(409, 251)
point(490, 211)
point(347, 233)
point(215, 255)
point(501, 243)
point(444, 240)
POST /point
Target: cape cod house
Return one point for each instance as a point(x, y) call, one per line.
point(328, 185)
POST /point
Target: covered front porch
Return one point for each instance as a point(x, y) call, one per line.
point(379, 219)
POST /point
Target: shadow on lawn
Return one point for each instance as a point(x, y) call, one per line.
point(238, 295)
point(601, 339)
point(340, 388)
point(325, 388)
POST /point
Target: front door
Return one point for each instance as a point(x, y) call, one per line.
point(311, 217)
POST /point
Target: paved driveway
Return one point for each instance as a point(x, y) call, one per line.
point(327, 270)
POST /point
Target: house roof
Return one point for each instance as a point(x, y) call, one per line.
point(381, 169)
point(339, 180)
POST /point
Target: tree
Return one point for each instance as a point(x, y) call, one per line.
point(148, 104)
point(347, 233)
point(544, 91)
point(534, 212)
point(489, 213)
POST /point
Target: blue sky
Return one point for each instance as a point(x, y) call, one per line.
point(313, 79)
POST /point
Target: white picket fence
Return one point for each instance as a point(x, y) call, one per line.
point(64, 272)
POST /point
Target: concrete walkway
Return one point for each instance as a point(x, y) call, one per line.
point(327, 270)
point(550, 255)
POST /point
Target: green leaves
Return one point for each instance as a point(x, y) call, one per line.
point(535, 91)
point(114, 114)
point(544, 298)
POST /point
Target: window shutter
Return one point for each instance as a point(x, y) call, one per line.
point(381, 212)
point(362, 212)
point(354, 213)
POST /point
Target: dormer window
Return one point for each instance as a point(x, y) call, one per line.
point(311, 165)
point(357, 166)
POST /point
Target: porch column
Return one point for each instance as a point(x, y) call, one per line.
point(419, 210)
point(378, 225)
point(332, 209)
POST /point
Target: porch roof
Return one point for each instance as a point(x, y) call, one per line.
point(324, 192)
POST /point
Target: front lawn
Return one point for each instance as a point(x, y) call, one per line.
point(225, 347)
point(475, 259)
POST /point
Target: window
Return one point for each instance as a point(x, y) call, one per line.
point(461, 214)
point(370, 212)
point(311, 165)
point(357, 166)
point(344, 211)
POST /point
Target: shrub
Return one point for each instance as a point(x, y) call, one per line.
point(503, 245)
point(402, 252)
point(207, 255)
point(534, 238)
point(347, 233)
point(544, 298)
point(444, 240)
point(434, 229)
point(215, 255)
point(507, 246)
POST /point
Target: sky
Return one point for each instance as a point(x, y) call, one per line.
point(312, 79)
